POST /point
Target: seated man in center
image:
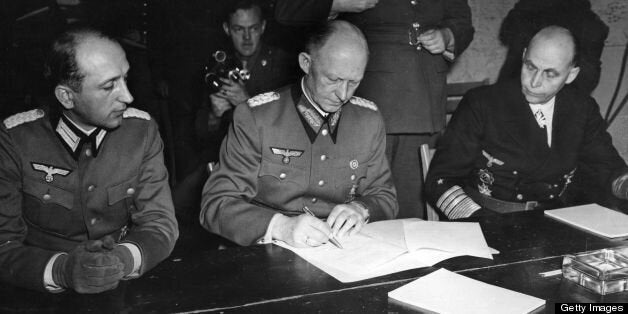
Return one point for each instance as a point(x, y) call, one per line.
point(307, 145)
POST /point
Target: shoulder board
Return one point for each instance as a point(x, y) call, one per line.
point(23, 117)
point(262, 99)
point(363, 103)
point(135, 113)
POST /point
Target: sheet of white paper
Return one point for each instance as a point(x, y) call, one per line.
point(381, 248)
point(446, 292)
point(459, 238)
point(593, 218)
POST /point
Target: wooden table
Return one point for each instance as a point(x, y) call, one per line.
point(197, 278)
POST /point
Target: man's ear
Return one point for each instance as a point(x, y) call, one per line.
point(573, 73)
point(225, 27)
point(523, 55)
point(305, 62)
point(65, 96)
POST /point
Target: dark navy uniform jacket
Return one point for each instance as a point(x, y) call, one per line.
point(494, 145)
point(281, 155)
point(55, 194)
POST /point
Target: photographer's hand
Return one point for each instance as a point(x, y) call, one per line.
point(234, 91)
point(220, 104)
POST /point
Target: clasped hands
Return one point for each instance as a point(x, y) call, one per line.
point(305, 230)
point(93, 266)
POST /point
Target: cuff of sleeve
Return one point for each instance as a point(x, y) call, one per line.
point(456, 204)
point(49, 283)
point(268, 236)
point(137, 259)
point(365, 210)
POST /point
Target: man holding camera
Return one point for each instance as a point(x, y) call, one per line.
point(269, 67)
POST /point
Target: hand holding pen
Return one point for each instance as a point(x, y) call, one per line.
point(332, 239)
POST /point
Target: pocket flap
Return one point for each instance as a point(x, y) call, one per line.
point(48, 193)
point(121, 191)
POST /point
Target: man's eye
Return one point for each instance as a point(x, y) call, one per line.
point(108, 87)
point(551, 74)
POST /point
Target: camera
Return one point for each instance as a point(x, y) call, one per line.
point(223, 67)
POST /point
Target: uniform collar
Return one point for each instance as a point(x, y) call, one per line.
point(73, 138)
point(313, 121)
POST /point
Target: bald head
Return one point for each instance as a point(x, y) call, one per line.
point(334, 63)
point(549, 62)
point(557, 40)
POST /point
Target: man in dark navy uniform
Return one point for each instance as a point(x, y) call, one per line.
point(308, 145)
point(533, 143)
point(84, 196)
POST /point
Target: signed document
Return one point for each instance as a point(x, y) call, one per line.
point(391, 246)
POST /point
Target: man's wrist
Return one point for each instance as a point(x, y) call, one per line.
point(364, 210)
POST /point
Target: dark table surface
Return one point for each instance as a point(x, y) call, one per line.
point(267, 278)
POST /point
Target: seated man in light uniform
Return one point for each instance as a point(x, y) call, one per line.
point(533, 143)
point(311, 144)
point(84, 196)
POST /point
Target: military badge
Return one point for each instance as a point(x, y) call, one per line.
point(264, 62)
point(361, 102)
point(262, 99)
point(486, 179)
point(50, 171)
point(354, 164)
point(567, 178)
point(491, 160)
point(286, 153)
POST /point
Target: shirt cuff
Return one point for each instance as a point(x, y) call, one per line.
point(268, 236)
point(49, 283)
point(137, 259)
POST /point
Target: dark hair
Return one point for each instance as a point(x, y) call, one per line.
point(61, 65)
point(318, 36)
point(244, 5)
point(320, 33)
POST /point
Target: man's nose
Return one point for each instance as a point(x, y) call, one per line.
point(247, 34)
point(342, 92)
point(125, 94)
point(536, 79)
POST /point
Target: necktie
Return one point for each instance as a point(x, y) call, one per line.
point(540, 118)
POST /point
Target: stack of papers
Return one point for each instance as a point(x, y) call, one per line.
point(392, 246)
point(593, 218)
point(445, 292)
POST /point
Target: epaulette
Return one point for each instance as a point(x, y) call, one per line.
point(135, 113)
point(262, 99)
point(363, 103)
point(23, 117)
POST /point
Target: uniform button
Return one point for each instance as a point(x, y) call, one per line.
point(323, 157)
point(352, 177)
point(414, 2)
point(314, 200)
point(282, 176)
point(88, 152)
point(130, 191)
point(324, 132)
point(555, 185)
point(131, 207)
point(90, 188)
point(321, 183)
point(515, 172)
point(519, 196)
point(551, 196)
point(93, 221)
point(47, 197)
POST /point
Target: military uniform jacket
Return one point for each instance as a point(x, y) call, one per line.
point(52, 199)
point(409, 86)
point(281, 155)
point(494, 145)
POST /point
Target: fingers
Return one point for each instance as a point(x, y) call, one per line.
point(433, 41)
point(344, 218)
